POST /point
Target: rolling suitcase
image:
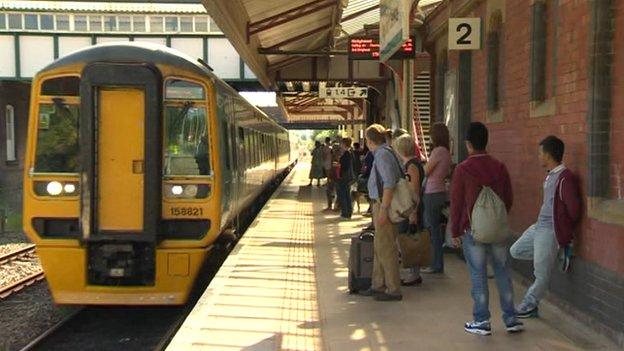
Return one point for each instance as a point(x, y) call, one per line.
point(361, 261)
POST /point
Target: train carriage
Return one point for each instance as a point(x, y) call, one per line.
point(138, 158)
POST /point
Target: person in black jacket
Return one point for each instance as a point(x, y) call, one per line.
point(345, 179)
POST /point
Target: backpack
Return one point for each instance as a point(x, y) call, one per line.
point(488, 219)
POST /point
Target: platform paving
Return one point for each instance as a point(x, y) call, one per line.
point(284, 287)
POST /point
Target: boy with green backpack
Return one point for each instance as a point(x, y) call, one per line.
point(481, 197)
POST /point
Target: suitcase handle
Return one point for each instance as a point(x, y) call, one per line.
point(367, 235)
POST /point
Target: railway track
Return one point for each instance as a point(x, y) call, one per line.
point(24, 278)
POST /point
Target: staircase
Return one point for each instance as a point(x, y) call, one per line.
point(422, 113)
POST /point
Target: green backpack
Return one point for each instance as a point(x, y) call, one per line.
point(488, 220)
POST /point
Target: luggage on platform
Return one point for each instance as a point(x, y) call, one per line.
point(361, 261)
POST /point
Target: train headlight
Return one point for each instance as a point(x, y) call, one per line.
point(177, 190)
point(190, 190)
point(69, 188)
point(54, 188)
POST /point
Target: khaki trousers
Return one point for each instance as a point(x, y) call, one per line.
point(386, 275)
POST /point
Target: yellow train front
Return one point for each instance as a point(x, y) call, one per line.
point(138, 158)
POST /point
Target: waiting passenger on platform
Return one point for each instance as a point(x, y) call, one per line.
point(436, 170)
point(555, 224)
point(327, 167)
point(345, 180)
point(358, 155)
point(385, 173)
point(469, 179)
point(367, 166)
point(405, 147)
point(316, 170)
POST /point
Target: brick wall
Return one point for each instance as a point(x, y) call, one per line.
point(596, 285)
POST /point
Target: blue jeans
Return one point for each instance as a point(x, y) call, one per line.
point(477, 255)
point(343, 190)
point(538, 243)
point(434, 203)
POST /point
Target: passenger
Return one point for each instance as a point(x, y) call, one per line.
point(405, 146)
point(327, 168)
point(555, 225)
point(345, 180)
point(316, 170)
point(437, 170)
point(336, 153)
point(367, 166)
point(386, 282)
point(469, 177)
point(358, 154)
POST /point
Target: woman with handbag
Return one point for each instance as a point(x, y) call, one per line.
point(405, 146)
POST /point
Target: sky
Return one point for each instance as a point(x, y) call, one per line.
point(259, 98)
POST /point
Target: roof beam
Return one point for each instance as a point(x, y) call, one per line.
point(304, 53)
point(359, 13)
point(287, 16)
point(298, 37)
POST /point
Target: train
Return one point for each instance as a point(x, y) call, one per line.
point(139, 159)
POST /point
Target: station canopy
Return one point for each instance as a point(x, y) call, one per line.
point(296, 46)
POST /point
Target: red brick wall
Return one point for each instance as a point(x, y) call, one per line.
point(515, 140)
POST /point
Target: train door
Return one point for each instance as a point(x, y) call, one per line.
point(120, 143)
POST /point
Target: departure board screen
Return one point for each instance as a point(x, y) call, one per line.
point(367, 48)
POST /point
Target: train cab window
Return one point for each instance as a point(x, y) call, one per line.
point(57, 149)
point(62, 86)
point(186, 141)
point(181, 89)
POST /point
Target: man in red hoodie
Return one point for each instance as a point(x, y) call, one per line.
point(554, 227)
point(469, 177)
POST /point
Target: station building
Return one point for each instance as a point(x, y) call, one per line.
point(35, 33)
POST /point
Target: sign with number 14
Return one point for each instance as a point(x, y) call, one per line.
point(464, 34)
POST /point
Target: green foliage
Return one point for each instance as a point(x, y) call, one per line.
point(320, 135)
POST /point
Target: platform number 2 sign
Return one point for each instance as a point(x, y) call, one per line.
point(464, 34)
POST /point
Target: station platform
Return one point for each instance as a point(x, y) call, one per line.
point(284, 287)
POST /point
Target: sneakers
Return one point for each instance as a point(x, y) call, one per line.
point(524, 312)
point(515, 327)
point(478, 328)
point(416, 281)
point(387, 297)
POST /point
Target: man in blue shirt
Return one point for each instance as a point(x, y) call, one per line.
point(385, 173)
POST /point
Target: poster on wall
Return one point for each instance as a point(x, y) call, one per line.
point(450, 113)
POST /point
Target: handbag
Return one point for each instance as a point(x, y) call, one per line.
point(415, 249)
point(404, 199)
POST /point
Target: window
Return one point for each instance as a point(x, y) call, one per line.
point(156, 24)
point(31, 22)
point(10, 133)
point(226, 145)
point(214, 27)
point(186, 141)
point(62, 22)
point(2, 21)
point(124, 24)
point(180, 89)
point(171, 24)
point(15, 21)
point(95, 23)
point(110, 23)
point(57, 148)
point(138, 23)
point(80, 23)
point(186, 24)
point(538, 52)
point(201, 24)
point(63, 86)
point(47, 22)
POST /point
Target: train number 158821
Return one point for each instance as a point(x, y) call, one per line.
point(186, 211)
